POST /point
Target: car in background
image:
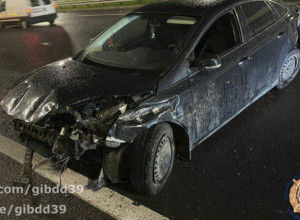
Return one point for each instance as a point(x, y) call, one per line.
point(155, 85)
point(27, 12)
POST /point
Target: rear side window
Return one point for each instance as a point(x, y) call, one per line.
point(258, 16)
point(35, 3)
point(281, 10)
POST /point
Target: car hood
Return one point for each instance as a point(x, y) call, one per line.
point(67, 82)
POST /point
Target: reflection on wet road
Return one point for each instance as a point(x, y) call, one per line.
point(239, 173)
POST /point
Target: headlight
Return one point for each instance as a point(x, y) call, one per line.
point(145, 112)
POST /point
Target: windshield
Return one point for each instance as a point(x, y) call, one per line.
point(143, 42)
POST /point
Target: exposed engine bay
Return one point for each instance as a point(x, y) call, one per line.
point(70, 132)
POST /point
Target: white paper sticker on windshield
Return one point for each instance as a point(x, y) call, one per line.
point(181, 20)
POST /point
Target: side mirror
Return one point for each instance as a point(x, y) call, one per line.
point(208, 61)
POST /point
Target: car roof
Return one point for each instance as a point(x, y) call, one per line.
point(189, 7)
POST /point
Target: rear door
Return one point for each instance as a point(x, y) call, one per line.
point(266, 38)
point(37, 8)
point(41, 8)
point(48, 7)
point(288, 22)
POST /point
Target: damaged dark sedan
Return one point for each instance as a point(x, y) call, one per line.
point(155, 85)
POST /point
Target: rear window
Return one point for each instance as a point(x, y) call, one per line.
point(281, 10)
point(46, 2)
point(35, 3)
point(258, 16)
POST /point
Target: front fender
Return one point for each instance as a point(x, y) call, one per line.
point(132, 123)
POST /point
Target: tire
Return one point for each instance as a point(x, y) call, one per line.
point(51, 22)
point(289, 69)
point(152, 159)
point(24, 24)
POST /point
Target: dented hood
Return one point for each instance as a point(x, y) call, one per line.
point(67, 82)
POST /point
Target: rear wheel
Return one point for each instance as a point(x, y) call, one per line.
point(152, 159)
point(24, 24)
point(289, 69)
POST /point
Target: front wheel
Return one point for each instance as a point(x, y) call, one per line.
point(152, 159)
point(289, 69)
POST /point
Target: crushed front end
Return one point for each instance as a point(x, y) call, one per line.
point(79, 133)
point(66, 109)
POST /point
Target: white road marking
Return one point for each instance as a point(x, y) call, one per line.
point(45, 43)
point(107, 201)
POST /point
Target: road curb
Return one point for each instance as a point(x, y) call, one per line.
point(109, 202)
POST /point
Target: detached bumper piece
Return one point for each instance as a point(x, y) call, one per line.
point(99, 183)
point(25, 178)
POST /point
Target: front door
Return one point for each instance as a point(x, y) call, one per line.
point(218, 94)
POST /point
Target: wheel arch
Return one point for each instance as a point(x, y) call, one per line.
point(181, 139)
point(284, 82)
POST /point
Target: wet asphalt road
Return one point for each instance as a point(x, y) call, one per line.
point(241, 172)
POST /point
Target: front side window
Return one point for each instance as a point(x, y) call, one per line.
point(220, 37)
point(258, 16)
point(141, 42)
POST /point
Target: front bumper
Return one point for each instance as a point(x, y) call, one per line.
point(43, 140)
point(44, 135)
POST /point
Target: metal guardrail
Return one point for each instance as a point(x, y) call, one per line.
point(91, 2)
point(103, 2)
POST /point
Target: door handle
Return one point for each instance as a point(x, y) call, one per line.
point(280, 35)
point(243, 60)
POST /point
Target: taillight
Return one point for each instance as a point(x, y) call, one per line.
point(54, 6)
point(28, 10)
